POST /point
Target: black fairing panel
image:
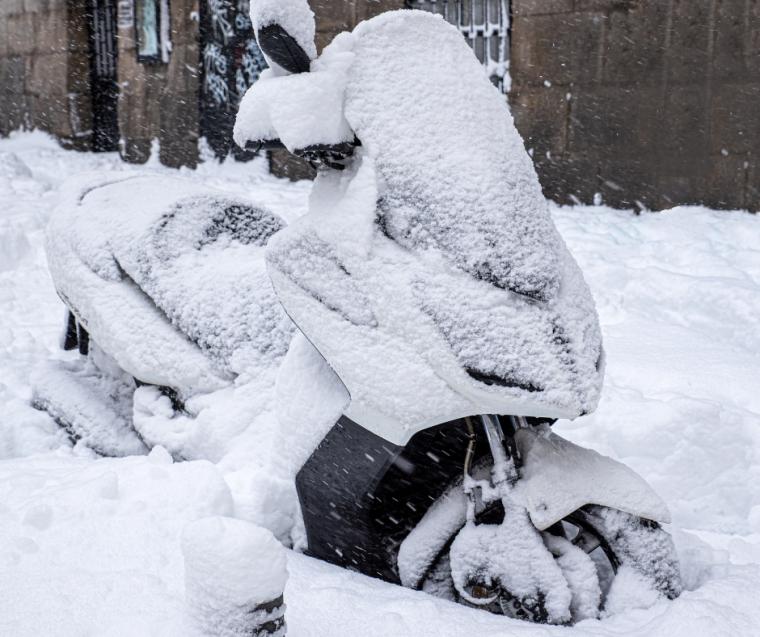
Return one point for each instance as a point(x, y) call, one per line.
point(360, 495)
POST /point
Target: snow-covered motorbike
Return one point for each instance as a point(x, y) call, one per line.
point(429, 279)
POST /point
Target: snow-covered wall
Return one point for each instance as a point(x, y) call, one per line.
point(647, 103)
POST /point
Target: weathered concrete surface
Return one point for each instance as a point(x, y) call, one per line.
point(646, 103)
point(40, 77)
point(160, 101)
point(334, 16)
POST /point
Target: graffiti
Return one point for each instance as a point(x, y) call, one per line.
point(215, 73)
point(219, 12)
point(253, 63)
point(232, 62)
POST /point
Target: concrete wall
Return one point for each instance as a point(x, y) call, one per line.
point(645, 103)
point(160, 101)
point(648, 102)
point(44, 72)
point(334, 16)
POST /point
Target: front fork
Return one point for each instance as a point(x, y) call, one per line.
point(482, 496)
point(505, 468)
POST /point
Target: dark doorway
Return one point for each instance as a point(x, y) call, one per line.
point(103, 75)
point(231, 62)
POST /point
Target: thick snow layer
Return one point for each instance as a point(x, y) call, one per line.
point(498, 228)
point(520, 564)
point(560, 477)
point(128, 241)
point(231, 568)
point(71, 542)
point(580, 572)
point(300, 110)
point(93, 546)
point(103, 424)
point(429, 273)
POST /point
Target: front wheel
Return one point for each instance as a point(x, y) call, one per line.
point(597, 551)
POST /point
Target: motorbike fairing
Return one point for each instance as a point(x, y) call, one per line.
point(168, 278)
point(558, 477)
point(428, 273)
point(361, 496)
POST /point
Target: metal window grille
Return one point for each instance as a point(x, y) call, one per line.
point(103, 38)
point(101, 18)
point(485, 25)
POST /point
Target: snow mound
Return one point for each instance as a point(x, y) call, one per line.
point(64, 521)
point(89, 406)
point(231, 568)
point(12, 167)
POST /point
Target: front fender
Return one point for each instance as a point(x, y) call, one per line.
point(559, 477)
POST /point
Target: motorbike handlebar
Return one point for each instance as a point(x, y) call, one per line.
point(331, 155)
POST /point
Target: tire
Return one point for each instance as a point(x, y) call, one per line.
point(614, 540)
point(628, 540)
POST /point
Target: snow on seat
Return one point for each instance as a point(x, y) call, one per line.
point(168, 277)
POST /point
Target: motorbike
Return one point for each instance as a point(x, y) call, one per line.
point(428, 281)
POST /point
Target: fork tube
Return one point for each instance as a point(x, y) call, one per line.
point(504, 471)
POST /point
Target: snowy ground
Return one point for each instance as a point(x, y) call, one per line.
point(92, 546)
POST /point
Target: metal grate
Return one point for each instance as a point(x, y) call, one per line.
point(104, 38)
point(101, 18)
point(485, 25)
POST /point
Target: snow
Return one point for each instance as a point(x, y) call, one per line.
point(66, 390)
point(581, 574)
point(93, 545)
point(513, 555)
point(420, 548)
point(72, 561)
point(499, 229)
point(559, 477)
point(426, 309)
point(150, 231)
point(300, 110)
point(231, 568)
